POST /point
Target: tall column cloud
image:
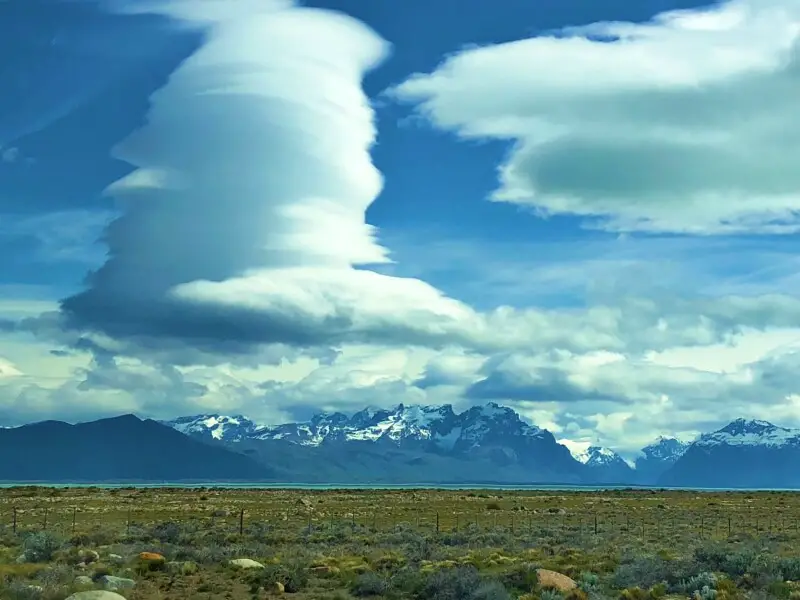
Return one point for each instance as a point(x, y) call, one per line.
point(244, 220)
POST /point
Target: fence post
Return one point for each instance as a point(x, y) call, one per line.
point(437, 521)
point(595, 523)
point(74, 515)
point(44, 524)
point(241, 521)
point(128, 521)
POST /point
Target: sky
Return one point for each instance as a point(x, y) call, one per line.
point(586, 210)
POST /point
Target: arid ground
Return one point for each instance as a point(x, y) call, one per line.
point(171, 544)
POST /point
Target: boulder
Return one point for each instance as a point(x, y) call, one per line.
point(114, 583)
point(95, 595)
point(556, 581)
point(246, 563)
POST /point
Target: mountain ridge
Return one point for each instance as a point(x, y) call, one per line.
point(404, 444)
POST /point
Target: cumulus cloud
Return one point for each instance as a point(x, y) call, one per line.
point(681, 124)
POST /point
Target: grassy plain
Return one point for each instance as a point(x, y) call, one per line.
point(422, 544)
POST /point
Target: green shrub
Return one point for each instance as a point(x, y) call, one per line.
point(370, 584)
point(550, 594)
point(490, 590)
point(293, 576)
point(451, 584)
point(41, 546)
point(522, 577)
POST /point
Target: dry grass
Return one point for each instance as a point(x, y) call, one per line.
point(335, 543)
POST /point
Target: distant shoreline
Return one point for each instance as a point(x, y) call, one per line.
point(475, 486)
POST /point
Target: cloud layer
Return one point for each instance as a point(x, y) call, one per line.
point(242, 276)
point(682, 124)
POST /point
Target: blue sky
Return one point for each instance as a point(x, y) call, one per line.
point(584, 210)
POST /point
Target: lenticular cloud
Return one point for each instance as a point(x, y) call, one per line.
point(244, 218)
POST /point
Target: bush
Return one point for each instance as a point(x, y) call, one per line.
point(641, 571)
point(41, 546)
point(19, 590)
point(451, 584)
point(522, 577)
point(293, 576)
point(490, 590)
point(697, 584)
point(166, 533)
point(370, 584)
point(550, 594)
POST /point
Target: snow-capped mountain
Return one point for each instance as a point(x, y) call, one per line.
point(596, 456)
point(603, 464)
point(491, 432)
point(657, 457)
point(402, 424)
point(743, 454)
point(217, 427)
point(743, 432)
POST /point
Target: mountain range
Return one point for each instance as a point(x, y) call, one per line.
point(401, 445)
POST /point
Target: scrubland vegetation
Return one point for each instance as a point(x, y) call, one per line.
point(171, 544)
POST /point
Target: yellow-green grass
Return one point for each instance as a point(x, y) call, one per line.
point(334, 537)
point(617, 514)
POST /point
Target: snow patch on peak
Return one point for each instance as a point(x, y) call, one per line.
point(751, 432)
point(219, 427)
point(591, 455)
point(665, 448)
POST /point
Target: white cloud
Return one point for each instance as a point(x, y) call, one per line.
point(246, 219)
point(8, 369)
point(9, 155)
point(239, 279)
point(683, 124)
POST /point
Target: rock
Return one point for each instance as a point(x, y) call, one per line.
point(246, 563)
point(95, 595)
point(151, 561)
point(277, 588)
point(304, 502)
point(115, 559)
point(556, 581)
point(113, 583)
point(151, 557)
point(22, 559)
point(83, 580)
point(88, 556)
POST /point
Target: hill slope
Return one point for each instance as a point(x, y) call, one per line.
point(743, 454)
point(118, 449)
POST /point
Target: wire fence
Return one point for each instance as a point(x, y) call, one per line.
point(75, 519)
